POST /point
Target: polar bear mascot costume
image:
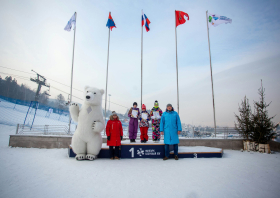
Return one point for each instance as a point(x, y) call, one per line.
point(87, 140)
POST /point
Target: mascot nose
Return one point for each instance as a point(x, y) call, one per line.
point(87, 97)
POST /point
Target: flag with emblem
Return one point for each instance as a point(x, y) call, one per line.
point(215, 20)
point(180, 17)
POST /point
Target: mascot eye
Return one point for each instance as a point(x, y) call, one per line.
point(94, 92)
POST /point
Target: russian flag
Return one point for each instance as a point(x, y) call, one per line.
point(110, 23)
point(145, 21)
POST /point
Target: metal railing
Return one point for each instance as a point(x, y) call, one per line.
point(43, 130)
point(222, 133)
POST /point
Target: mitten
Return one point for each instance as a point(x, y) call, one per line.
point(121, 137)
point(108, 138)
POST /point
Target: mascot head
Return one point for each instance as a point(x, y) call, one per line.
point(93, 96)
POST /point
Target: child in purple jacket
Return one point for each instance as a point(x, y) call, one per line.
point(133, 122)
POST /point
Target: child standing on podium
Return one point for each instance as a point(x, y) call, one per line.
point(144, 124)
point(114, 132)
point(156, 114)
point(133, 122)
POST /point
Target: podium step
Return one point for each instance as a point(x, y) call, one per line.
point(198, 152)
point(156, 150)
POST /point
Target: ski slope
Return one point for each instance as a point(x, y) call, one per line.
point(44, 173)
point(13, 114)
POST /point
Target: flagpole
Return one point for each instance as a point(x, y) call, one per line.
point(211, 72)
point(141, 58)
point(107, 76)
point(72, 70)
point(177, 65)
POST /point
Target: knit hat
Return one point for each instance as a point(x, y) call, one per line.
point(135, 103)
point(169, 105)
point(156, 103)
point(114, 113)
point(143, 106)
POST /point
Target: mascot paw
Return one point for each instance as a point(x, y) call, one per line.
point(80, 157)
point(90, 157)
point(97, 127)
point(74, 107)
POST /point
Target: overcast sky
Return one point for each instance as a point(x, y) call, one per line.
point(32, 37)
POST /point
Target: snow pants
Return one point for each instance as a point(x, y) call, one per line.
point(133, 128)
point(155, 127)
point(144, 133)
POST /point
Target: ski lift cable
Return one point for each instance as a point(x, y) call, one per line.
point(45, 77)
point(26, 78)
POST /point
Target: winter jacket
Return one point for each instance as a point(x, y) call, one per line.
point(152, 114)
point(130, 113)
point(115, 131)
point(170, 124)
point(144, 123)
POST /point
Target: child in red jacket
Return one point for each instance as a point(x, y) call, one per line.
point(114, 132)
point(144, 124)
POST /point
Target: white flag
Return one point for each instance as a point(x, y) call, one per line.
point(215, 20)
point(70, 22)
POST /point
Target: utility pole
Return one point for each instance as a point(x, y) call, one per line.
point(41, 81)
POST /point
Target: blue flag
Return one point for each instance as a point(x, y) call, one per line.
point(110, 23)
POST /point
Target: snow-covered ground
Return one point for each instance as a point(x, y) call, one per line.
point(26, 172)
point(13, 114)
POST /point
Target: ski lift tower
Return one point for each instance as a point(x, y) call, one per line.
point(41, 81)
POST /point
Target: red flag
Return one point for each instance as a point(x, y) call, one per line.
point(180, 17)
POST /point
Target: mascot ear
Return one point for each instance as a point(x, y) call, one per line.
point(86, 87)
point(102, 91)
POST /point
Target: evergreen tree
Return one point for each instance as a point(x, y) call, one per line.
point(244, 121)
point(262, 123)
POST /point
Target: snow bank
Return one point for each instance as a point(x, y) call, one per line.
point(50, 173)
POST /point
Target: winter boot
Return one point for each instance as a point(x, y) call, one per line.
point(131, 140)
point(165, 158)
point(117, 158)
point(176, 157)
point(142, 141)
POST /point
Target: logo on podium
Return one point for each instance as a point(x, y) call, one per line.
point(140, 152)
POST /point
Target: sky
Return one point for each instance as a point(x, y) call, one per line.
point(32, 36)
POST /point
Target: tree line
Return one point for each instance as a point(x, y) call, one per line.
point(10, 88)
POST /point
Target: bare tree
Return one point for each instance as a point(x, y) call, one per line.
point(60, 101)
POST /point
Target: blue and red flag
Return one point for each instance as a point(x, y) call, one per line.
point(110, 23)
point(146, 22)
